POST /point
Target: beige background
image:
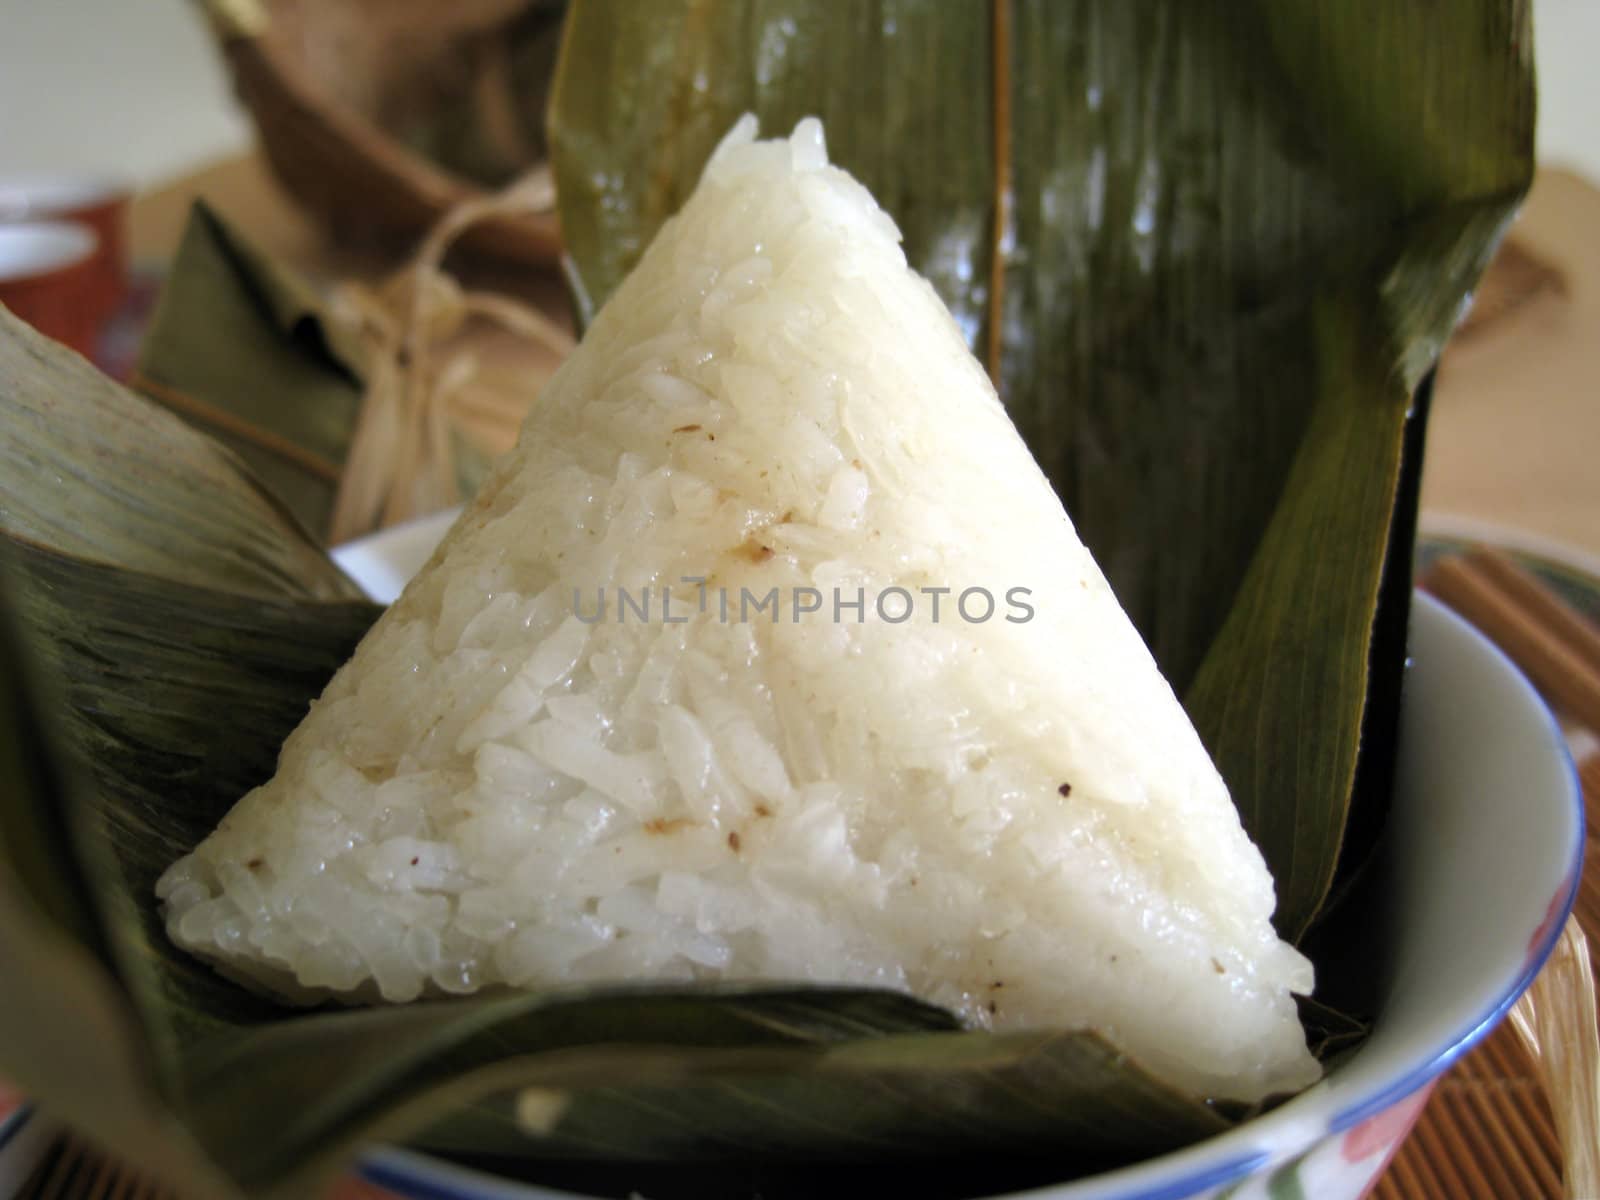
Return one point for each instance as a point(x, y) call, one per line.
point(130, 88)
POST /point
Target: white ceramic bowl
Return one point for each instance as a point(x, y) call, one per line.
point(42, 196)
point(35, 249)
point(1484, 857)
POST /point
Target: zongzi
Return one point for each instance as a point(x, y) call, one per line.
point(769, 653)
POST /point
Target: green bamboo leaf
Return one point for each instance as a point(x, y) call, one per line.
point(673, 1074)
point(175, 700)
point(894, 1097)
point(1340, 493)
point(643, 93)
point(66, 1032)
point(331, 1082)
point(1329, 1032)
point(242, 347)
point(92, 471)
point(1208, 250)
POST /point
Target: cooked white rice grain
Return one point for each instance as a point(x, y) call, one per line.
point(494, 791)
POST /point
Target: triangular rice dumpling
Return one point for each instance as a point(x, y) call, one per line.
point(770, 654)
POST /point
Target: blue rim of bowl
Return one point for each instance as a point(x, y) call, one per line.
point(423, 1177)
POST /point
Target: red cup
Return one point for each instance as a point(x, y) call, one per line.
point(100, 204)
point(49, 276)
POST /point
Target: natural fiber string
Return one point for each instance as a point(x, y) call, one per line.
point(400, 463)
point(1556, 1021)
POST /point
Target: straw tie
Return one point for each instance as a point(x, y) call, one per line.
point(400, 463)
